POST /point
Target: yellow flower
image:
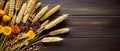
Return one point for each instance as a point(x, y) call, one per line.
point(6, 18)
point(1, 29)
point(2, 12)
point(7, 30)
point(31, 34)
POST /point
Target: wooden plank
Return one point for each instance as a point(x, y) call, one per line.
point(91, 26)
point(84, 44)
point(86, 7)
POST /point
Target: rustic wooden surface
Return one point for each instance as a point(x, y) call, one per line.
point(94, 25)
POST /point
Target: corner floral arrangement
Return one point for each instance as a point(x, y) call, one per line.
point(22, 25)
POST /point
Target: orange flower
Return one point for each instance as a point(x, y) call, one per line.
point(15, 29)
point(2, 12)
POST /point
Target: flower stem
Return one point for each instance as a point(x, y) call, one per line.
point(3, 42)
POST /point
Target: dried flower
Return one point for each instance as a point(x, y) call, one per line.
point(6, 18)
point(59, 31)
point(7, 30)
point(31, 34)
point(1, 29)
point(2, 12)
point(15, 29)
point(51, 39)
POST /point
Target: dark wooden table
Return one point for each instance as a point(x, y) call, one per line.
point(95, 25)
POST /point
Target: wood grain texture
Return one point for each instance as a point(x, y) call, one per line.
point(87, 7)
point(84, 44)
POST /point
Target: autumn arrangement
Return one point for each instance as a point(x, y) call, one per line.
point(22, 24)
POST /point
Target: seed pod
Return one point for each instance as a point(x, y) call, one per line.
point(11, 8)
point(36, 7)
point(25, 18)
point(59, 31)
point(56, 21)
point(18, 4)
point(42, 26)
point(49, 13)
point(20, 15)
point(51, 39)
point(41, 12)
point(30, 6)
point(6, 7)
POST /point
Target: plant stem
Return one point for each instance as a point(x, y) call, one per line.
point(3, 42)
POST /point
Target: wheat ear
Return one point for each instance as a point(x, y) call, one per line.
point(56, 21)
point(59, 31)
point(36, 7)
point(6, 7)
point(13, 20)
point(49, 40)
point(20, 15)
point(18, 4)
point(49, 13)
point(11, 8)
point(30, 6)
point(41, 12)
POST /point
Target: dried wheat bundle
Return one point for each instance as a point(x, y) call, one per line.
point(6, 7)
point(20, 15)
point(56, 21)
point(41, 12)
point(59, 31)
point(11, 8)
point(28, 25)
point(49, 13)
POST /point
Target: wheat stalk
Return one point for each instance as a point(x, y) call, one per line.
point(36, 7)
point(11, 8)
point(20, 15)
point(59, 31)
point(19, 44)
point(42, 26)
point(6, 7)
point(41, 12)
point(19, 37)
point(49, 13)
point(30, 6)
point(18, 4)
point(56, 21)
